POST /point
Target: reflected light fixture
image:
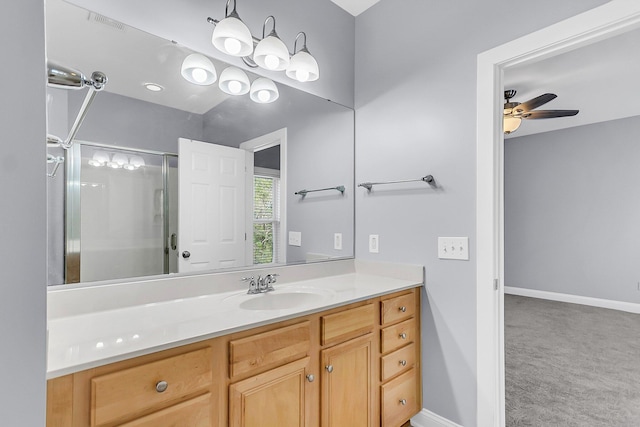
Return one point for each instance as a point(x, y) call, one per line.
point(264, 91)
point(234, 81)
point(198, 69)
point(303, 67)
point(118, 161)
point(136, 161)
point(231, 35)
point(511, 124)
point(99, 159)
point(271, 53)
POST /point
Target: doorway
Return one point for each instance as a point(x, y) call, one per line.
point(599, 23)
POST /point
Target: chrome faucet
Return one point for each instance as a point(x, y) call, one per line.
point(262, 284)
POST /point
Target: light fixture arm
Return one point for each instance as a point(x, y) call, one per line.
point(273, 31)
point(304, 45)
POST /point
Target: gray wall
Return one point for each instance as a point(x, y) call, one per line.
point(23, 217)
point(415, 114)
point(330, 32)
point(571, 211)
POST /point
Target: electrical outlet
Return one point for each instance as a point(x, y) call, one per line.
point(295, 238)
point(453, 248)
point(337, 241)
point(374, 243)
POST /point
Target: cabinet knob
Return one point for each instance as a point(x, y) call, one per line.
point(403, 362)
point(403, 401)
point(161, 386)
point(329, 368)
point(403, 309)
point(403, 336)
point(310, 378)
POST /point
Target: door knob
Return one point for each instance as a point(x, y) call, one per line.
point(186, 254)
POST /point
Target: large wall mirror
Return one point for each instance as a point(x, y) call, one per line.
point(168, 176)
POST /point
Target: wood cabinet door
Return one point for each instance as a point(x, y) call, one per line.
point(347, 383)
point(273, 398)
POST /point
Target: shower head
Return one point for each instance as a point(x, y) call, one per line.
point(68, 78)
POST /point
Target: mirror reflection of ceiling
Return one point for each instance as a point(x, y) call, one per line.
point(89, 42)
point(600, 80)
point(355, 7)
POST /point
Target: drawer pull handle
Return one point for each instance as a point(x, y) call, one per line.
point(403, 309)
point(403, 362)
point(403, 402)
point(403, 336)
point(161, 386)
point(310, 378)
point(329, 368)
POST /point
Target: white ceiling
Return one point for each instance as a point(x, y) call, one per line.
point(601, 80)
point(355, 7)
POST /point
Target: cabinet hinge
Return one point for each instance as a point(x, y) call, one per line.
point(496, 283)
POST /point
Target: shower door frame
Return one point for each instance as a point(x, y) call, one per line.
point(72, 224)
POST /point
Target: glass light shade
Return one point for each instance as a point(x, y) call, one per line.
point(264, 91)
point(232, 37)
point(511, 124)
point(272, 54)
point(99, 159)
point(303, 67)
point(198, 69)
point(234, 81)
point(118, 161)
point(136, 161)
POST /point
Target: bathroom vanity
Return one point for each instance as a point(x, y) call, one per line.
point(337, 346)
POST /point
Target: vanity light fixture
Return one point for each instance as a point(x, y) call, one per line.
point(234, 81)
point(198, 69)
point(231, 35)
point(303, 67)
point(264, 91)
point(270, 52)
point(153, 87)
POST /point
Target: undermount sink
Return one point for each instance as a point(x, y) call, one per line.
point(280, 299)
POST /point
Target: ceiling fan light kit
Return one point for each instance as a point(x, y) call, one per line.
point(514, 112)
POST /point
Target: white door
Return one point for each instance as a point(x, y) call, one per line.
point(211, 230)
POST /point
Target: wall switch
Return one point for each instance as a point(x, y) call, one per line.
point(453, 248)
point(337, 241)
point(374, 243)
point(295, 238)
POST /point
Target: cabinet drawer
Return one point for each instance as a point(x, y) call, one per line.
point(398, 361)
point(269, 349)
point(396, 336)
point(342, 326)
point(399, 400)
point(118, 395)
point(193, 413)
point(398, 308)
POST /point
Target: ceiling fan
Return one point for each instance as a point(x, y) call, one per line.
point(514, 112)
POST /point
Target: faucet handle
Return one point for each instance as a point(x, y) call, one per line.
point(246, 279)
point(272, 277)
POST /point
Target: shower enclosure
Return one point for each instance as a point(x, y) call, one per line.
point(121, 213)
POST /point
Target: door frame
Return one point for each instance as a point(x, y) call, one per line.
point(599, 23)
point(278, 137)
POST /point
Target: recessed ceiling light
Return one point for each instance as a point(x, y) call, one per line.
point(153, 87)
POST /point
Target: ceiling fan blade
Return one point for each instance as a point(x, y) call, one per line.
point(534, 103)
point(549, 114)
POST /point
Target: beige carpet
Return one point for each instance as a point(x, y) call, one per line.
point(570, 365)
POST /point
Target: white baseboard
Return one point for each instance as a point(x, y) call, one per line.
point(574, 299)
point(427, 418)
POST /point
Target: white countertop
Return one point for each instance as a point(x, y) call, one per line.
point(81, 341)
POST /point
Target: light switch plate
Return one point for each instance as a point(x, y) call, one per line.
point(337, 241)
point(453, 248)
point(374, 243)
point(295, 238)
